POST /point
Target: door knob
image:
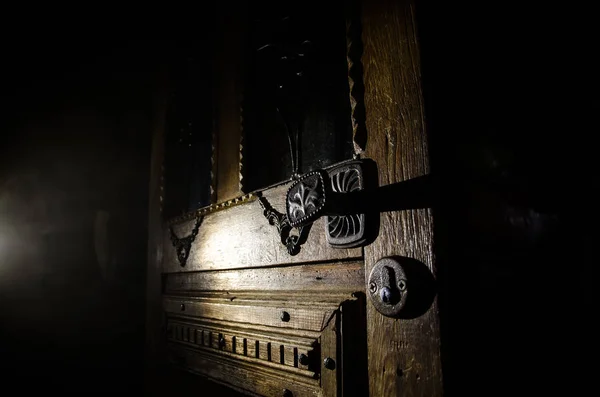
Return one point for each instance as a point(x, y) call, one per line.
point(388, 287)
point(401, 287)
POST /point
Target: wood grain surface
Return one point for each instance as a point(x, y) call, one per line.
point(255, 312)
point(258, 381)
point(333, 278)
point(242, 237)
point(272, 349)
point(329, 350)
point(404, 355)
point(227, 95)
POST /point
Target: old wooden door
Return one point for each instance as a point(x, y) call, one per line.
point(233, 294)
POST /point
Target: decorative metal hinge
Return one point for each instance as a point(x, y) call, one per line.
point(346, 231)
point(326, 192)
point(292, 241)
point(318, 193)
point(183, 245)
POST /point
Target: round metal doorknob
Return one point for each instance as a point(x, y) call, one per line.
point(388, 287)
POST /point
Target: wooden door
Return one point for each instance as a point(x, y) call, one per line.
point(227, 298)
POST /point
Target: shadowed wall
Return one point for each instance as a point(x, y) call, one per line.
point(73, 213)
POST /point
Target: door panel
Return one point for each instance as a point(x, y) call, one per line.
point(244, 312)
point(263, 335)
point(240, 236)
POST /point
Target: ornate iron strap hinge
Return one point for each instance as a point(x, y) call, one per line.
point(332, 192)
point(183, 245)
point(292, 241)
point(323, 192)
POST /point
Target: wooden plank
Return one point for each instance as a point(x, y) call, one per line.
point(329, 351)
point(241, 236)
point(246, 375)
point(228, 93)
point(346, 277)
point(313, 319)
point(404, 356)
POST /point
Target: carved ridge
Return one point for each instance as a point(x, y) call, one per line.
point(354, 51)
point(213, 163)
point(196, 359)
point(241, 160)
point(213, 208)
point(266, 349)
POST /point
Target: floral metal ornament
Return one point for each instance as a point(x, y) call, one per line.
point(183, 245)
point(334, 192)
point(306, 199)
point(291, 237)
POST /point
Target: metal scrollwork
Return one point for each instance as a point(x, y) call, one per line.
point(343, 226)
point(333, 192)
point(292, 241)
point(183, 245)
point(306, 199)
point(345, 231)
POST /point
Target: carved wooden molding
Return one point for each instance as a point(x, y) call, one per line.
point(242, 372)
point(260, 353)
point(354, 50)
point(242, 237)
point(212, 208)
point(273, 349)
point(213, 160)
point(242, 151)
point(314, 318)
point(265, 331)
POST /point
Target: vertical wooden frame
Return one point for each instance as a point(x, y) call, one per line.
point(404, 355)
point(228, 97)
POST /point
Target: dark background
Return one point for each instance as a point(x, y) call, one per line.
point(511, 107)
point(74, 167)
